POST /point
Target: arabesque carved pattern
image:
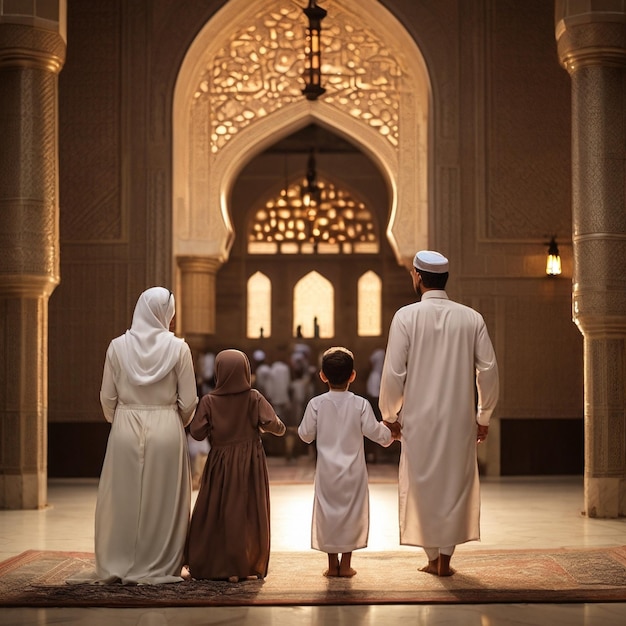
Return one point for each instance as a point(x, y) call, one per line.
point(260, 71)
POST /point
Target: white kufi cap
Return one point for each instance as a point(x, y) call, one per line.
point(430, 261)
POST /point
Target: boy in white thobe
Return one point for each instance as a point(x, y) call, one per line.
point(338, 420)
point(438, 355)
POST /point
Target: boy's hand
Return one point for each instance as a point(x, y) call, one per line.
point(395, 429)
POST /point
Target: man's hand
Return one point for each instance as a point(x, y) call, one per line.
point(481, 433)
point(395, 429)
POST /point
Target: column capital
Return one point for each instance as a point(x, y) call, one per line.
point(26, 47)
point(201, 264)
point(197, 295)
point(590, 33)
point(27, 285)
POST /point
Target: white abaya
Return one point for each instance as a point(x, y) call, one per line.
point(148, 394)
point(438, 354)
point(338, 420)
point(144, 495)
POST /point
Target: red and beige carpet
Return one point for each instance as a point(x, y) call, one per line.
point(37, 579)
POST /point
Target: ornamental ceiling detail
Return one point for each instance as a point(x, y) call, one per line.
point(259, 71)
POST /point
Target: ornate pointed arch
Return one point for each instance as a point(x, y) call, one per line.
point(238, 91)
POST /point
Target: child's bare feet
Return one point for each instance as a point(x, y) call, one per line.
point(333, 565)
point(345, 571)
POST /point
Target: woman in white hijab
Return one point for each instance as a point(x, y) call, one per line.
point(149, 395)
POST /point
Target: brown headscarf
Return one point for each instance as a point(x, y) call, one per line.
point(233, 408)
point(232, 373)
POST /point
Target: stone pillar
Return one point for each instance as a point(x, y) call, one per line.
point(32, 52)
point(197, 297)
point(591, 38)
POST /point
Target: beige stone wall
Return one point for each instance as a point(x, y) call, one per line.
point(500, 177)
point(515, 127)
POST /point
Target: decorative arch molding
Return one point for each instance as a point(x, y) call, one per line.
point(206, 163)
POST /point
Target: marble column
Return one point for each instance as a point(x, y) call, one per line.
point(591, 39)
point(197, 297)
point(32, 53)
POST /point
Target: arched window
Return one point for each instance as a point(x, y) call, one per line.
point(369, 305)
point(259, 306)
point(314, 307)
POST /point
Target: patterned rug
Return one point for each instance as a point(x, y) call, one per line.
point(37, 578)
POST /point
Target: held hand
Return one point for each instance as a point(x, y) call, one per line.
point(395, 429)
point(481, 433)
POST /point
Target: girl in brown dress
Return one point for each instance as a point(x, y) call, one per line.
point(229, 533)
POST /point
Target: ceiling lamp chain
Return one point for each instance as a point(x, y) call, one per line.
point(313, 72)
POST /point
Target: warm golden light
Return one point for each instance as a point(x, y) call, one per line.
point(313, 306)
point(259, 322)
point(333, 216)
point(369, 305)
point(553, 264)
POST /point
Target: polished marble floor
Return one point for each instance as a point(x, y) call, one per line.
point(517, 513)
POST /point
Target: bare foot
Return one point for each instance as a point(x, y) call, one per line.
point(444, 568)
point(447, 572)
point(233, 579)
point(184, 573)
point(348, 573)
point(334, 573)
point(431, 568)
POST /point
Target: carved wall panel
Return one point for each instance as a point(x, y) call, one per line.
point(94, 300)
point(528, 175)
point(90, 126)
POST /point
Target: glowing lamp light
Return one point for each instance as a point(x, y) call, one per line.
point(553, 264)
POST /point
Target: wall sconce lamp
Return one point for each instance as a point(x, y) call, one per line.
point(313, 71)
point(311, 192)
point(553, 264)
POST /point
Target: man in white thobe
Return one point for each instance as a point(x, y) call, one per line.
point(438, 356)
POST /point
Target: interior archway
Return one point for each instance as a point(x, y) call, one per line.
point(218, 127)
point(339, 237)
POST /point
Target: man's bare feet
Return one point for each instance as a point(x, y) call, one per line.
point(431, 568)
point(444, 568)
point(439, 567)
point(347, 572)
point(449, 572)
